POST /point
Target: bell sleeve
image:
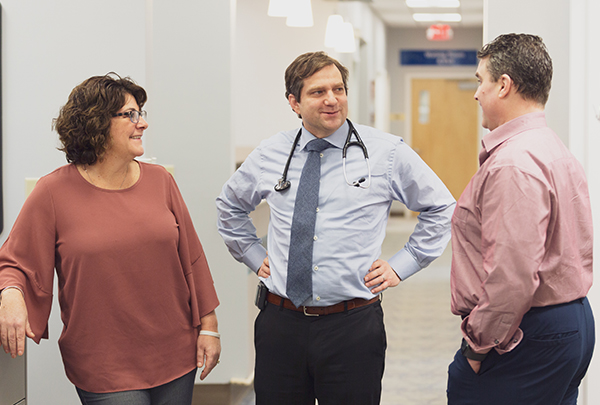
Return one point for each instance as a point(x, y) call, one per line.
point(203, 296)
point(27, 258)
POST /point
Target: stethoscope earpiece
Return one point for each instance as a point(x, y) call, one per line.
point(357, 183)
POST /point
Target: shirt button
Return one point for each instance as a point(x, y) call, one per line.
point(318, 298)
point(317, 209)
point(320, 154)
point(496, 341)
point(316, 268)
point(315, 237)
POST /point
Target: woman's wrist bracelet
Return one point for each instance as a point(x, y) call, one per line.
point(210, 333)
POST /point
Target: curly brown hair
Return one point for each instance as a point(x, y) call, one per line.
point(83, 123)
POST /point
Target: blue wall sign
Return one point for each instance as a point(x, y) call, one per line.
point(433, 57)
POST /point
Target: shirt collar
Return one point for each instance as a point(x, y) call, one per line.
point(512, 128)
point(337, 139)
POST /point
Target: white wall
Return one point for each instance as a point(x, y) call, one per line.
point(190, 90)
point(584, 141)
point(550, 20)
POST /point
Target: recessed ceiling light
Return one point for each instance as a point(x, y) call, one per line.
point(432, 17)
point(433, 3)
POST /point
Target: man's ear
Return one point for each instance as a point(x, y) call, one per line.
point(294, 103)
point(506, 85)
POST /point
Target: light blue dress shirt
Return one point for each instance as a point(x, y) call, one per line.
point(351, 221)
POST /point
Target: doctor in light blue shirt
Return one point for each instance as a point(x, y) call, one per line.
point(350, 227)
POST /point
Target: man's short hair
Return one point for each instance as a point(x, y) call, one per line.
point(525, 59)
point(307, 65)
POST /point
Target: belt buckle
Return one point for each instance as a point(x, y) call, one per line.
point(306, 313)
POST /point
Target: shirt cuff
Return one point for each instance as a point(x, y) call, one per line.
point(512, 343)
point(254, 257)
point(501, 347)
point(404, 264)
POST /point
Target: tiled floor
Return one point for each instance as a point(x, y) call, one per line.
point(422, 333)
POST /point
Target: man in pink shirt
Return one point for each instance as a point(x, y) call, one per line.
point(521, 244)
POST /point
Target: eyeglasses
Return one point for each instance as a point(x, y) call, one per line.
point(134, 116)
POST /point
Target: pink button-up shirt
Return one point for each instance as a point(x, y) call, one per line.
point(521, 233)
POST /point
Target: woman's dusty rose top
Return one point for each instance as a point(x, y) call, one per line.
point(133, 278)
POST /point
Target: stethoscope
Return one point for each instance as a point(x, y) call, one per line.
point(283, 183)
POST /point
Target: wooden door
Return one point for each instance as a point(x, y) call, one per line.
point(445, 129)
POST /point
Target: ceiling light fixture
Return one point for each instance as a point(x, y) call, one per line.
point(433, 17)
point(347, 43)
point(433, 3)
point(333, 30)
point(339, 35)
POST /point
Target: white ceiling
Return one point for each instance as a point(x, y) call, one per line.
point(395, 13)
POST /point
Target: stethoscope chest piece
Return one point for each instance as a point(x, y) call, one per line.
point(282, 184)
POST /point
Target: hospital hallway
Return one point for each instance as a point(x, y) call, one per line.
point(422, 333)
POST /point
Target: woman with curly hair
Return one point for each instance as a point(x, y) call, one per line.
point(136, 295)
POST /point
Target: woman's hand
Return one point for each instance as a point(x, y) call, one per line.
point(14, 322)
point(208, 347)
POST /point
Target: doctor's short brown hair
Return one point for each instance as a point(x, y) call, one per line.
point(307, 65)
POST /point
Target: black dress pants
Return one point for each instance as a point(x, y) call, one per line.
point(337, 358)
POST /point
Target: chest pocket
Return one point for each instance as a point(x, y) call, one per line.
point(362, 204)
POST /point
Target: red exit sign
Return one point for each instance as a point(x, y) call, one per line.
point(439, 32)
